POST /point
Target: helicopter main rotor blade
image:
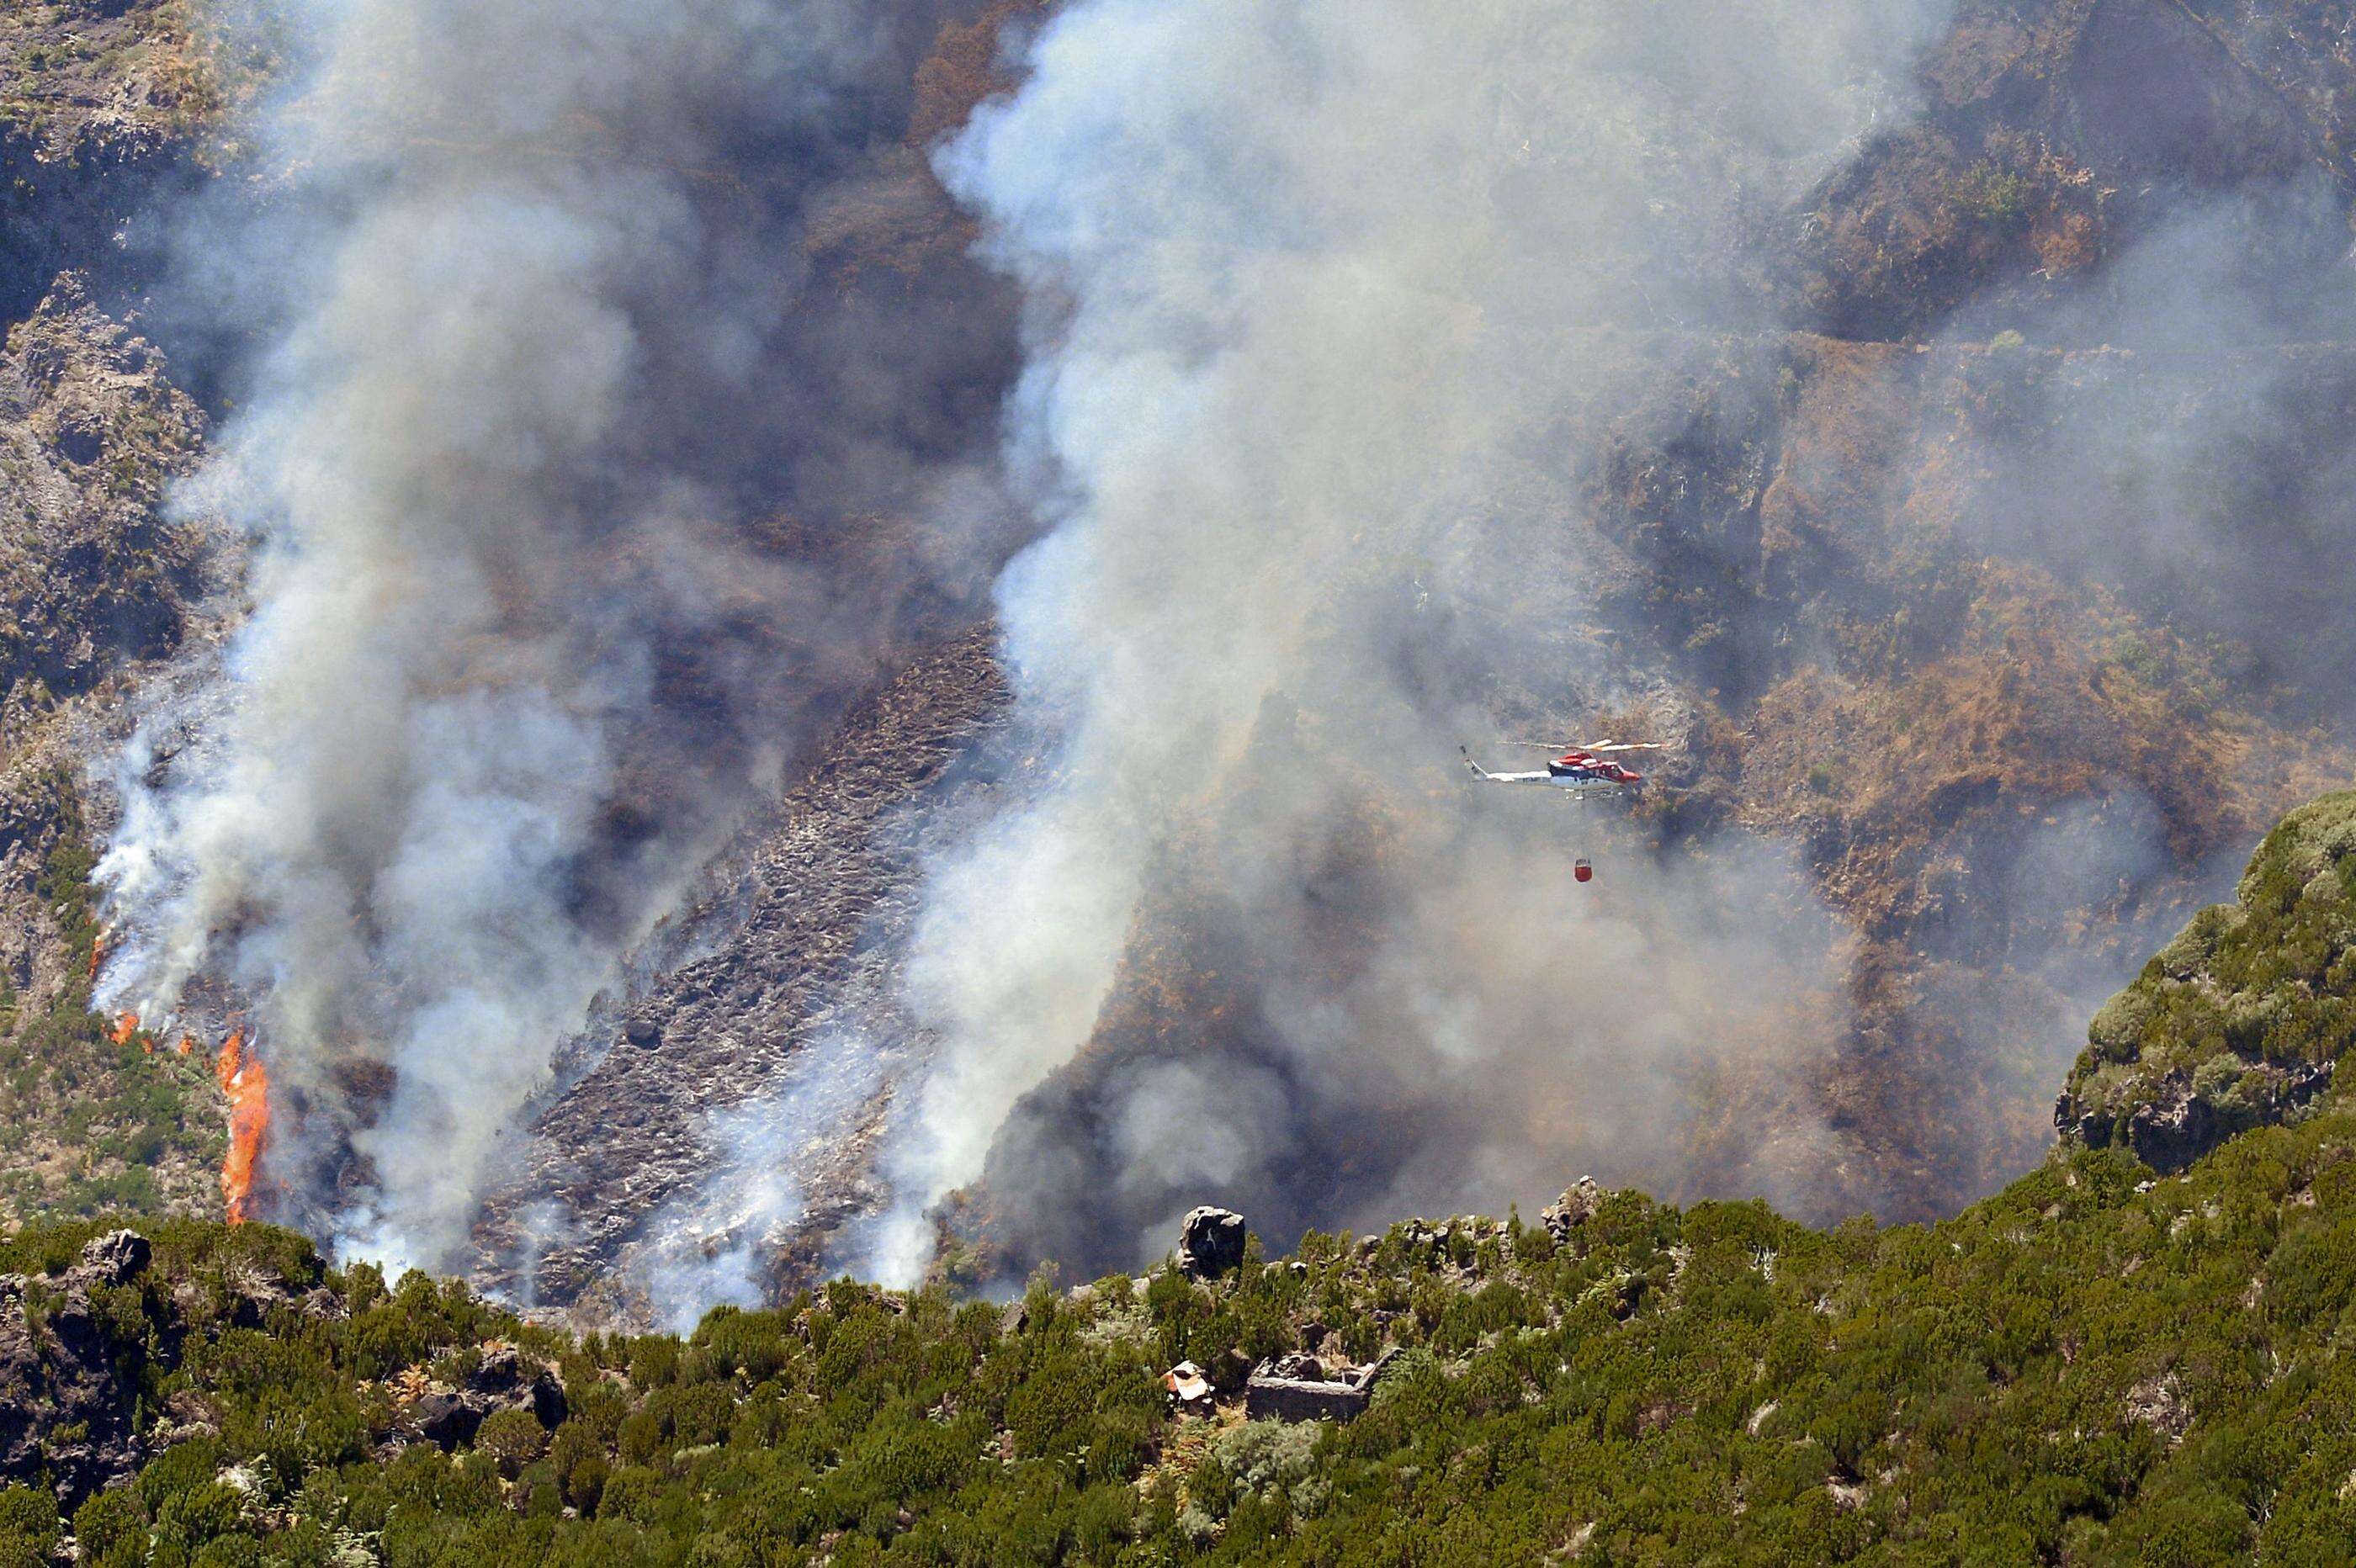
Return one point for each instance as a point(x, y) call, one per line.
point(1597, 746)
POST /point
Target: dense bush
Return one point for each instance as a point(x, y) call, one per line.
point(2091, 1365)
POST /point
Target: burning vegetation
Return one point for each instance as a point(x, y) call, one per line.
point(246, 1083)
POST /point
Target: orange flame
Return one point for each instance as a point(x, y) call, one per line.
point(187, 1043)
point(247, 1084)
point(124, 1028)
point(97, 952)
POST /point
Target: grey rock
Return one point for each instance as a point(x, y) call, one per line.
point(324, 1306)
point(504, 1381)
point(118, 1257)
point(1211, 1242)
point(1564, 1216)
point(1297, 1364)
point(449, 1421)
point(2177, 1124)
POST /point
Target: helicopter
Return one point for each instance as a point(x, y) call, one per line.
point(1582, 771)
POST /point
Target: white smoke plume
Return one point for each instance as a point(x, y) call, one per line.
point(563, 465)
point(714, 1244)
point(1313, 288)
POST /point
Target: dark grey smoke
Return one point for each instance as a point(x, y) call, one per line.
point(624, 409)
point(1334, 301)
point(1316, 286)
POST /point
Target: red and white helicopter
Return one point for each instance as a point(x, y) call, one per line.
point(1580, 770)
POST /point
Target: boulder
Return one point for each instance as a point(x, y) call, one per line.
point(449, 1421)
point(1211, 1242)
point(117, 1258)
point(510, 1382)
point(503, 1380)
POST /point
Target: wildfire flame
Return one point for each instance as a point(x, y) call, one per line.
point(124, 1028)
point(247, 1084)
point(97, 953)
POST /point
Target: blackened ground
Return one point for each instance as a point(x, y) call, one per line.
point(801, 929)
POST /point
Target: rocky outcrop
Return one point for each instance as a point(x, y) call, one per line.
point(449, 1418)
point(1564, 1216)
point(1211, 1242)
point(118, 1257)
point(2241, 1021)
point(2181, 1120)
point(70, 1375)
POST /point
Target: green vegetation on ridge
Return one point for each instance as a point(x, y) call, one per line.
point(2095, 1366)
point(2238, 1020)
point(2089, 1366)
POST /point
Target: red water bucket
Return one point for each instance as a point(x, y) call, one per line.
point(1582, 870)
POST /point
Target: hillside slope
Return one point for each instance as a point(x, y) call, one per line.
point(2097, 1365)
point(105, 107)
point(1989, 562)
point(1882, 575)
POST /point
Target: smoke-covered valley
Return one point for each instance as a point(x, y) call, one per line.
point(585, 484)
point(843, 629)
